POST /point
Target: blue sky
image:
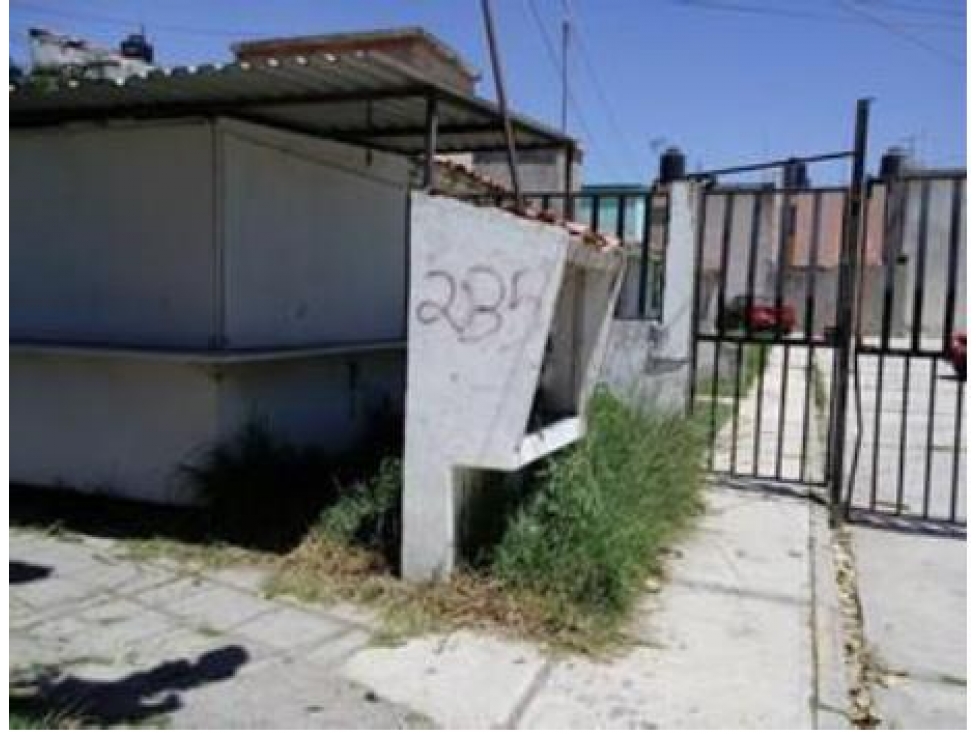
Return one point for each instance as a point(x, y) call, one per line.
point(728, 80)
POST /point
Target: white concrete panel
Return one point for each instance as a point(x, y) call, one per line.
point(111, 234)
point(109, 425)
point(484, 298)
point(314, 240)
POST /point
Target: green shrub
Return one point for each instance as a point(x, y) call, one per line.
point(600, 512)
point(368, 513)
point(262, 491)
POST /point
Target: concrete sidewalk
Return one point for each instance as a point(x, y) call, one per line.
point(733, 639)
point(913, 591)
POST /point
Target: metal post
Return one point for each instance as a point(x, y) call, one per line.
point(501, 99)
point(565, 40)
point(844, 321)
point(569, 154)
point(431, 141)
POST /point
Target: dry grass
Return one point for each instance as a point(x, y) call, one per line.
point(322, 570)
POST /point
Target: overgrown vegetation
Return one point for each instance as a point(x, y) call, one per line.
point(586, 533)
point(574, 557)
point(603, 510)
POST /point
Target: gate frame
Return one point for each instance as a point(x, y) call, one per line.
point(843, 341)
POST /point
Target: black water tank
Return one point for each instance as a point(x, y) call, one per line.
point(894, 162)
point(672, 165)
point(137, 47)
point(795, 175)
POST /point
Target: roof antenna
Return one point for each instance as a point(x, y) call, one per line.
point(501, 100)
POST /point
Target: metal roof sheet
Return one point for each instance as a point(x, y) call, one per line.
point(361, 97)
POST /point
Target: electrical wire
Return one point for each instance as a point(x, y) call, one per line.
point(118, 21)
point(556, 65)
point(897, 30)
point(730, 6)
point(613, 120)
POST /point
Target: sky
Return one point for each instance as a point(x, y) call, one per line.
point(728, 81)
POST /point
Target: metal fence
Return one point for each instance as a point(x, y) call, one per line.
point(639, 219)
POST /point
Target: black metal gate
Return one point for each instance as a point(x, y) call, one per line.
point(767, 313)
point(825, 319)
point(907, 462)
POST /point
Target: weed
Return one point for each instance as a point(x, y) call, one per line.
point(588, 537)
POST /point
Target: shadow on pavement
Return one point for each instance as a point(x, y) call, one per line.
point(50, 694)
point(905, 524)
point(22, 572)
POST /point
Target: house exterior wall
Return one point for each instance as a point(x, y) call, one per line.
point(647, 362)
point(171, 244)
point(111, 233)
point(332, 402)
point(106, 424)
point(314, 240)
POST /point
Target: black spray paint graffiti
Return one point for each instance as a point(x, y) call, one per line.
point(479, 299)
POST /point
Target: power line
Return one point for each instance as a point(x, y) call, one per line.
point(556, 65)
point(118, 21)
point(726, 6)
point(927, 9)
point(603, 98)
point(898, 30)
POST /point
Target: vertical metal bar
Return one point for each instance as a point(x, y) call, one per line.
point(695, 311)
point(502, 101)
point(814, 229)
point(735, 427)
point(596, 205)
point(431, 140)
point(875, 450)
point(895, 225)
point(647, 225)
point(920, 263)
point(545, 202)
point(954, 232)
point(786, 230)
point(753, 237)
point(844, 326)
point(719, 323)
point(569, 155)
point(957, 443)
point(753, 255)
point(620, 217)
point(902, 449)
point(930, 445)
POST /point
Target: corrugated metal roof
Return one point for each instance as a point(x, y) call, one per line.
point(362, 98)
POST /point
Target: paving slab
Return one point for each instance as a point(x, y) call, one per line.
point(913, 592)
point(462, 681)
point(285, 628)
point(288, 695)
point(728, 640)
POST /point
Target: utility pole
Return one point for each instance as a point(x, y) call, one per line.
point(565, 43)
point(501, 99)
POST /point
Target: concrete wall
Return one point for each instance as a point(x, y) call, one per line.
point(648, 362)
point(332, 402)
point(126, 236)
point(489, 292)
point(314, 240)
point(120, 426)
point(111, 233)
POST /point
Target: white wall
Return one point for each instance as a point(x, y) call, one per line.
point(114, 425)
point(314, 240)
point(111, 234)
point(330, 402)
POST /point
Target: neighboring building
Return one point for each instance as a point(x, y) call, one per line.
point(53, 54)
point(414, 47)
